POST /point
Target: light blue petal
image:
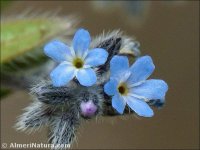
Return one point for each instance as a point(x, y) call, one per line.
point(62, 74)
point(118, 64)
point(151, 89)
point(123, 76)
point(86, 77)
point(140, 107)
point(141, 69)
point(110, 87)
point(118, 103)
point(96, 57)
point(81, 42)
point(58, 51)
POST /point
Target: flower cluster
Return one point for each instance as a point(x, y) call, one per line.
point(127, 85)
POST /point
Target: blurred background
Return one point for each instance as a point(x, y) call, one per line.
point(167, 30)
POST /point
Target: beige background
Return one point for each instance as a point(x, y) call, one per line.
point(169, 34)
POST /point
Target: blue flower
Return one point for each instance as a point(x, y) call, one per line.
point(129, 85)
point(75, 61)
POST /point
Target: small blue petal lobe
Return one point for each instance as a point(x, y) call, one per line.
point(151, 89)
point(118, 103)
point(57, 50)
point(96, 57)
point(141, 69)
point(140, 107)
point(86, 77)
point(118, 64)
point(81, 42)
point(110, 87)
point(62, 74)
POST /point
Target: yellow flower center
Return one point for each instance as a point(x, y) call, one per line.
point(78, 63)
point(123, 89)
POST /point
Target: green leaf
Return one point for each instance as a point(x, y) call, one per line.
point(22, 40)
point(20, 36)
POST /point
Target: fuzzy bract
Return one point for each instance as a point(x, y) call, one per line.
point(75, 61)
point(129, 85)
